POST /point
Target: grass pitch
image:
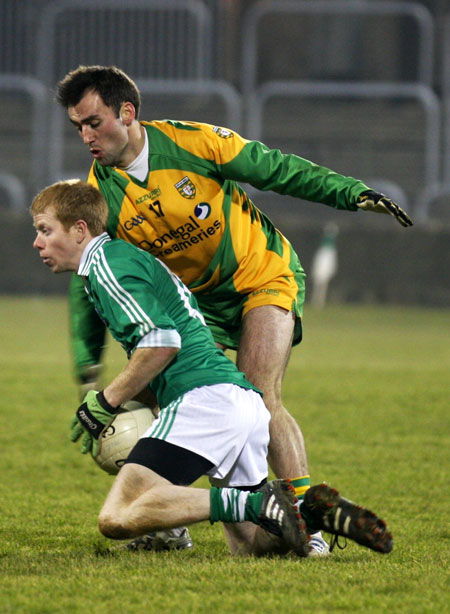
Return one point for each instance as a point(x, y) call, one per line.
point(370, 388)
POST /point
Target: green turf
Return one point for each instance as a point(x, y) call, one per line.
point(370, 388)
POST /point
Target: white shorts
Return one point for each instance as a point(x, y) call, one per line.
point(224, 423)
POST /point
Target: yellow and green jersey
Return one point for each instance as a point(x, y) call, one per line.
point(191, 213)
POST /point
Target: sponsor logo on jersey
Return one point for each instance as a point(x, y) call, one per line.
point(202, 211)
point(181, 238)
point(134, 221)
point(223, 132)
point(149, 196)
point(272, 291)
point(186, 188)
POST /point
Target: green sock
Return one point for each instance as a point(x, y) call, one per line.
point(253, 506)
point(234, 505)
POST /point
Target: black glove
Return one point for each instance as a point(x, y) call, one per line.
point(374, 201)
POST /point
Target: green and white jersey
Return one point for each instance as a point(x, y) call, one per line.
point(144, 305)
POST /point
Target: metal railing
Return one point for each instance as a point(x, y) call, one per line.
point(167, 47)
point(440, 188)
point(36, 93)
point(446, 98)
point(15, 190)
point(344, 8)
point(146, 38)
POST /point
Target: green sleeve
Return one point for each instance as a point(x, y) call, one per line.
point(269, 169)
point(87, 330)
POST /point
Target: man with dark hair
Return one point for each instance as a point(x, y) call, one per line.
point(212, 421)
point(112, 84)
point(172, 189)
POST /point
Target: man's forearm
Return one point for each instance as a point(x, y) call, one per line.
point(144, 365)
point(269, 169)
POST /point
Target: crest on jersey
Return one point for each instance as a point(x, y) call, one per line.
point(186, 188)
point(223, 132)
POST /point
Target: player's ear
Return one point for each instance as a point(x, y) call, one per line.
point(127, 113)
point(81, 230)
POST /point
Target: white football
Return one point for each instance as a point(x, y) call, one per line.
point(121, 436)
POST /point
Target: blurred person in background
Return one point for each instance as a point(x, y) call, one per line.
point(324, 265)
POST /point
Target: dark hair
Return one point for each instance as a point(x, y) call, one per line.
point(73, 200)
point(113, 85)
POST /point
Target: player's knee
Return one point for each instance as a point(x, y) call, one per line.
point(275, 405)
point(272, 395)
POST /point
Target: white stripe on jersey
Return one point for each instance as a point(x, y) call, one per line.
point(123, 298)
point(161, 337)
point(87, 256)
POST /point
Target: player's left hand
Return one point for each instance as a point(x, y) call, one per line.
point(379, 203)
point(90, 420)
